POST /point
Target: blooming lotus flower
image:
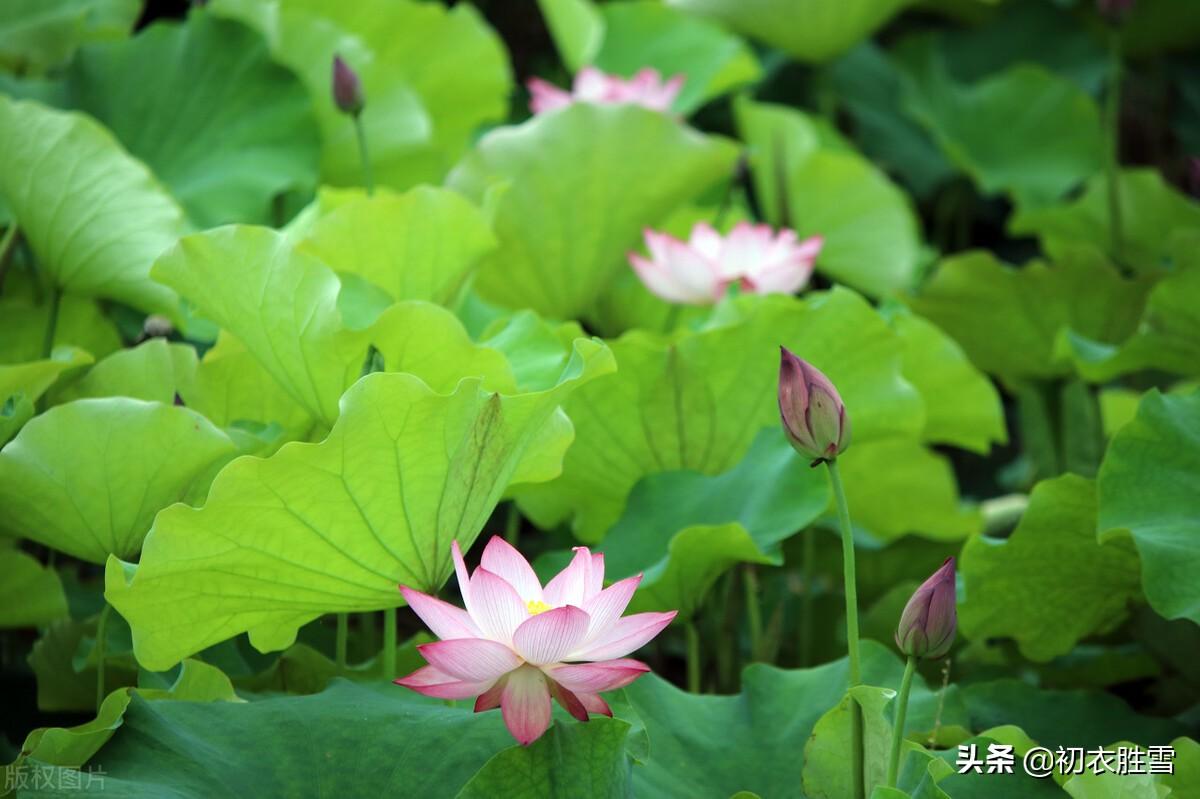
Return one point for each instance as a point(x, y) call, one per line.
point(518, 643)
point(347, 88)
point(813, 414)
point(699, 271)
point(646, 89)
point(930, 618)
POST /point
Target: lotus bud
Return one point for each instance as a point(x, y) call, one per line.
point(347, 88)
point(930, 618)
point(813, 414)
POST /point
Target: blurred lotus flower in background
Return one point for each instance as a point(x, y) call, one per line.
point(699, 271)
point(814, 417)
point(347, 88)
point(646, 89)
point(519, 643)
point(930, 618)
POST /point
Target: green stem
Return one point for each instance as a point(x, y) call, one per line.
point(343, 635)
point(808, 568)
point(1112, 123)
point(7, 245)
point(693, 657)
point(753, 612)
point(856, 723)
point(893, 769)
point(101, 627)
point(361, 132)
point(389, 644)
point(672, 319)
point(51, 322)
point(512, 524)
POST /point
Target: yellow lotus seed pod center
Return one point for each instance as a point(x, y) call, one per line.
point(536, 606)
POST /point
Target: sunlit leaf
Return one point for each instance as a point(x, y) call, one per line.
point(579, 184)
point(151, 371)
point(87, 477)
point(22, 384)
point(36, 35)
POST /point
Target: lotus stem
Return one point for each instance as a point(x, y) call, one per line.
point(848, 571)
point(101, 628)
point(693, 657)
point(343, 634)
point(893, 769)
point(7, 245)
point(361, 132)
point(1112, 123)
point(753, 612)
point(389, 644)
point(51, 321)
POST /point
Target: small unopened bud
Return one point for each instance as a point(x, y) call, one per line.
point(930, 618)
point(1115, 11)
point(347, 88)
point(812, 412)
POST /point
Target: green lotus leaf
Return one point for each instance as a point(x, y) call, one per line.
point(87, 477)
point(1152, 212)
point(869, 229)
point(752, 741)
point(280, 303)
point(21, 385)
point(536, 350)
point(986, 786)
point(896, 486)
point(826, 769)
point(335, 526)
point(151, 371)
point(644, 34)
point(1008, 320)
point(449, 749)
point(420, 245)
point(577, 28)
point(67, 684)
point(577, 195)
point(422, 107)
point(94, 217)
point(1050, 583)
point(37, 35)
point(697, 402)
point(1147, 486)
point(241, 129)
point(1110, 785)
point(1052, 138)
point(810, 30)
point(31, 595)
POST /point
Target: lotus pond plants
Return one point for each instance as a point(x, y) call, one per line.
point(787, 399)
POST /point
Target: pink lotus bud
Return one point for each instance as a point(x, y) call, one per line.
point(347, 88)
point(930, 618)
point(813, 414)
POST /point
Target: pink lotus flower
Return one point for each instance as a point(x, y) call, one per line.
point(519, 643)
point(646, 89)
point(699, 271)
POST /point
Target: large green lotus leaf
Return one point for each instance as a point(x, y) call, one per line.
point(421, 105)
point(335, 526)
point(962, 407)
point(230, 385)
point(810, 30)
point(1052, 138)
point(375, 740)
point(580, 184)
point(420, 245)
point(898, 486)
point(230, 129)
point(643, 34)
point(280, 303)
point(870, 232)
point(1008, 320)
point(827, 773)
point(94, 217)
point(428, 341)
point(1063, 718)
point(87, 477)
point(1151, 212)
point(23, 318)
point(1004, 785)
point(536, 350)
point(698, 401)
point(67, 684)
point(577, 29)
point(868, 84)
point(1187, 765)
point(30, 595)
point(37, 35)
point(1147, 485)
point(1110, 785)
point(151, 371)
point(1050, 583)
point(21, 384)
point(706, 745)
